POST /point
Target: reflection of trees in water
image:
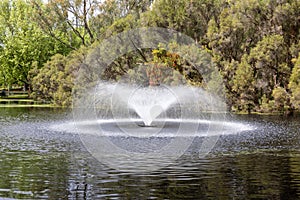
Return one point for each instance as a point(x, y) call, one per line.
point(30, 174)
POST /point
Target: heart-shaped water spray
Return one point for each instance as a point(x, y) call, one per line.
point(149, 103)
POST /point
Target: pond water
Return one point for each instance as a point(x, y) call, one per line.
point(38, 162)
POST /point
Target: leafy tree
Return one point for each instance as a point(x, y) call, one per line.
point(189, 17)
point(269, 61)
point(55, 81)
point(266, 105)
point(230, 36)
point(240, 26)
point(267, 31)
point(286, 18)
point(244, 86)
point(294, 85)
point(67, 20)
point(120, 25)
point(281, 98)
point(82, 22)
point(46, 81)
point(134, 7)
point(255, 45)
point(23, 43)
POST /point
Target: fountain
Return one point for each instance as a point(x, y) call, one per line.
point(122, 102)
point(149, 103)
point(133, 127)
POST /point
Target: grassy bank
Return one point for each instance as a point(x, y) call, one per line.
point(22, 100)
point(277, 113)
point(29, 105)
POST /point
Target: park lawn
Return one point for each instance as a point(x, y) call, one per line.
point(16, 96)
point(16, 100)
point(27, 105)
point(21, 100)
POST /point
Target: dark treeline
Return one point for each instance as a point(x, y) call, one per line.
point(255, 44)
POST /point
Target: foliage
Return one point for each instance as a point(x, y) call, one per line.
point(266, 105)
point(261, 36)
point(270, 61)
point(255, 45)
point(66, 20)
point(23, 43)
point(244, 85)
point(189, 17)
point(294, 85)
point(153, 67)
point(281, 98)
point(55, 81)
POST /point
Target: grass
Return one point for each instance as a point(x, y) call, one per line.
point(17, 96)
point(27, 106)
point(21, 100)
point(17, 100)
point(274, 113)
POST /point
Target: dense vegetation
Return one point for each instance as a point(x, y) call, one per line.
point(255, 44)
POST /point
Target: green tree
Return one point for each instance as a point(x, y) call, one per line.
point(122, 24)
point(286, 17)
point(231, 36)
point(267, 31)
point(269, 59)
point(47, 80)
point(81, 22)
point(55, 81)
point(244, 86)
point(294, 85)
point(281, 99)
point(68, 21)
point(254, 44)
point(189, 17)
point(23, 43)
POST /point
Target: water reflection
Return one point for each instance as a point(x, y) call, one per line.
point(28, 174)
point(39, 163)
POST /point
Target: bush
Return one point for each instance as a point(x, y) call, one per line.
point(281, 99)
point(54, 82)
point(294, 85)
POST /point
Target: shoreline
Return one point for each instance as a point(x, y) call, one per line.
point(13, 105)
point(29, 106)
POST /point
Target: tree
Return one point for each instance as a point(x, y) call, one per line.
point(121, 25)
point(23, 43)
point(255, 28)
point(281, 98)
point(240, 26)
point(254, 44)
point(82, 22)
point(231, 36)
point(244, 86)
point(68, 21)
point(294, 85)
point(269, 60)
point(46, 81)
point(189, 17)
point(55, 81)
point(286, 17)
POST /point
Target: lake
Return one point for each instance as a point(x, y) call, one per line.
point(39, 162)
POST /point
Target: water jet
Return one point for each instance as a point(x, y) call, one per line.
point(132, 127)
